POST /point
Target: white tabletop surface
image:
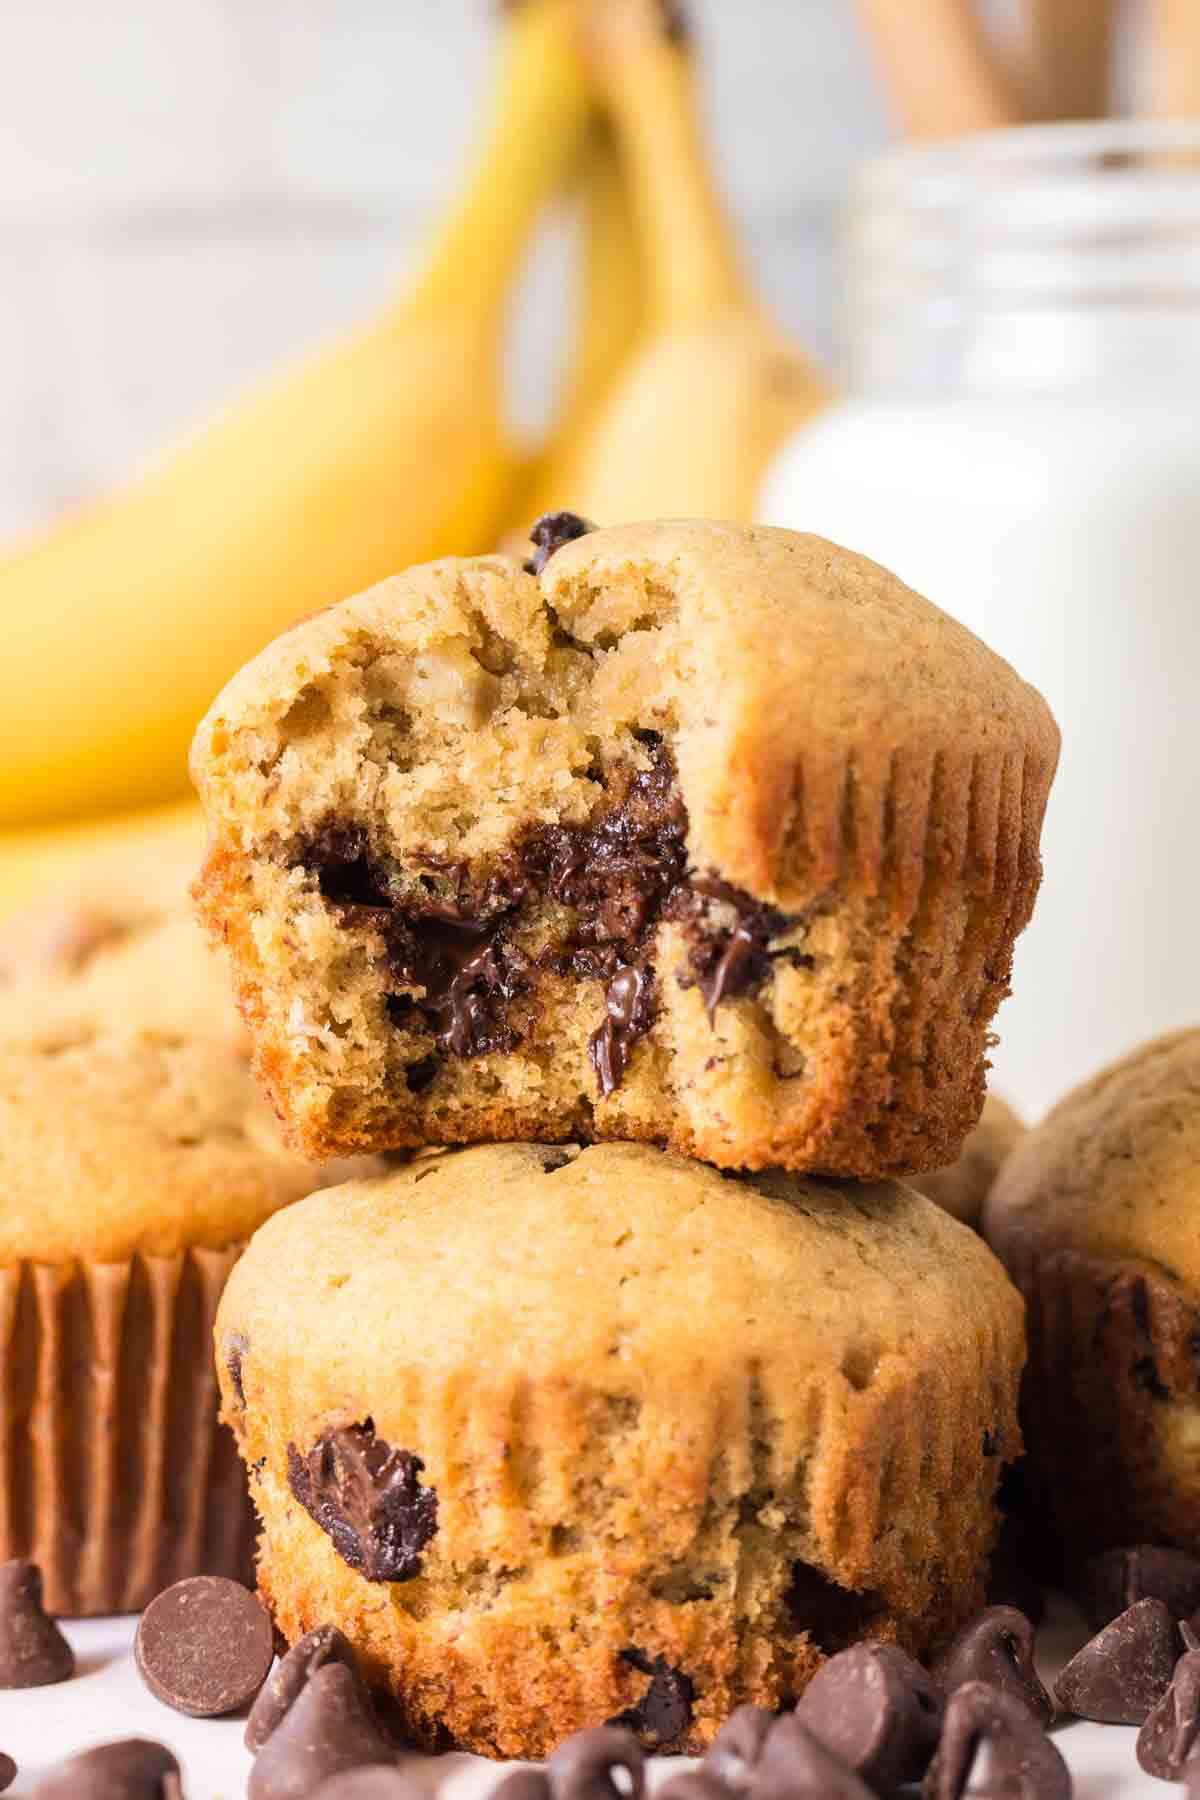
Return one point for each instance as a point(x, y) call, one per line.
point(106, 1700)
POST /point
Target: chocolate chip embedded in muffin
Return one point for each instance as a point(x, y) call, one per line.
point(660, 1718)
point(588, 871)
point(368, 1498)
point(550, 533)
point(502, 1313)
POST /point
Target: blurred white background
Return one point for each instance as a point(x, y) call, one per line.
point(192, 189)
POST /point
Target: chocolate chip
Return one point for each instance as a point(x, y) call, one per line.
point(877, 1710)
point(992, 1748)
point(328, 1729)
point(205, 1646)
point(525, 1784)
point(997, 1647)
point(662, 1716)
point(734, 1752)
point(629, 1014)
point(582, 1767)
point(316, 1648)
point(33, 1651)
point(375, 1783)
point(1172, 1732)
point(795, 1765)
point(368, 1499)
point(468, 970)
point(8, 1771)
point(132, 1769)
point(728, 960)
point(550, 533)
point(1121, 1674)
point(236, 1346)
point(1113, 1581)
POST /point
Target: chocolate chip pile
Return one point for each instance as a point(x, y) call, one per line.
point(872, 1722)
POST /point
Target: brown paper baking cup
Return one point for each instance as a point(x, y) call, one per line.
point(115, 1475)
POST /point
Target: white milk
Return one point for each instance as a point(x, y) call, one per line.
point(1035, 470)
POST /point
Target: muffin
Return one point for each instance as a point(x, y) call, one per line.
point(962, 1189)
point(559, 1436)
point(120, 945)
point(133, 1167)
point(1097, 1216)
point(711, 836)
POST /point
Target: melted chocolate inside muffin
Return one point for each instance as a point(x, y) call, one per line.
point(458, 971)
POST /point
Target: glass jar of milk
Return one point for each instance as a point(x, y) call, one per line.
point(1020, 441)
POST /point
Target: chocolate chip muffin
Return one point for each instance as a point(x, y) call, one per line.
point(557, 1436)
point(1097, 1215)
point(133, 1167)
point(962, 1188)
point(118, 945)
point(707, 835)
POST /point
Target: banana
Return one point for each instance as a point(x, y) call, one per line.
point(715, 387)
point(48, 859)
point(611, 311)
point(384, 449)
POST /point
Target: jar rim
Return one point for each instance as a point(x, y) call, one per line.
point(1156, 147)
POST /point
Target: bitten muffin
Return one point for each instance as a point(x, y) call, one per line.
point(1097, 1215)
point(711, 836)
point(133, 1167)
point(557, 1436)
point(119, 946)
point(962, 1189)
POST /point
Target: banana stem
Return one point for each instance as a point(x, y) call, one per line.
point(693, 269)
point(539, 120)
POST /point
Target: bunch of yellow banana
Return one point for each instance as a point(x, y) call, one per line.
point(713, 387)
point(390, 446)
point(382, 450)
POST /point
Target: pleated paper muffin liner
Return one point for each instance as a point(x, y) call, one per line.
point(585, 1542)
point(115, 1474)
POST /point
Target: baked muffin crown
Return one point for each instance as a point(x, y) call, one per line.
point(118, 1143)
point(617, 1266)
point(1114, 1170)
point(814, 703)
point(831, 671)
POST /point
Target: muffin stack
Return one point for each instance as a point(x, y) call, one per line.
point(684, 841)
